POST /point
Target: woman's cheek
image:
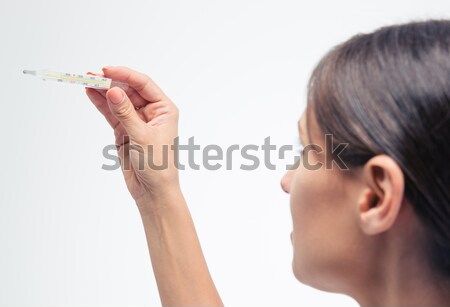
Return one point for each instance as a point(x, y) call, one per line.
point(309, 197)
point(302, 201)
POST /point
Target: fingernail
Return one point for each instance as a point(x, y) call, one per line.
point(115, 96)
point(107, 67)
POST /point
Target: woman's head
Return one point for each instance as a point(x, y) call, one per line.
point(386, 95)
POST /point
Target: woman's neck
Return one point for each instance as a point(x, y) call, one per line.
point(401, 275)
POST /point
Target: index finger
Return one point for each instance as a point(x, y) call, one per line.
point(142, 83)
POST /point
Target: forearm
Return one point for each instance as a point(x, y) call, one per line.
point(178, 263)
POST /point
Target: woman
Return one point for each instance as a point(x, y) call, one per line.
point(372, 221)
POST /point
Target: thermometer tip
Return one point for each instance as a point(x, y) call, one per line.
point(29, 72)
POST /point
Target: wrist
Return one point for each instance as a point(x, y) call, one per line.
point(166, 196)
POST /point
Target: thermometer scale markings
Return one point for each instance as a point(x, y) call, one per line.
point(79, 79)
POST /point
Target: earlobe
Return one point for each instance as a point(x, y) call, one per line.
point(382, 197)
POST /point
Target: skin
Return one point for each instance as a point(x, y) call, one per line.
point(353, 232)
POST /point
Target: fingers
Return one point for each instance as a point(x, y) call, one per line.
point(134, 96)
point(145, 86)
point(98, 98)
point(142, 103)
point(123, 110)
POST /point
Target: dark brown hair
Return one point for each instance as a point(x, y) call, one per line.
point(388, 92)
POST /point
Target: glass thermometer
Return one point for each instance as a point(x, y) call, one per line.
point(91, 81)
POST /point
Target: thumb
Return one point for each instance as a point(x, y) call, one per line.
point(123, 109)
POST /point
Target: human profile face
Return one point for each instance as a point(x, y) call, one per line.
point(325, 237)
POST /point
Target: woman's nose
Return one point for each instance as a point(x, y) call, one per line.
point(286, 181)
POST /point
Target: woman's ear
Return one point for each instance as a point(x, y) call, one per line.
point(382, 197)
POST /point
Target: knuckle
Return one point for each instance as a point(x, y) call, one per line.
point(173, 107)
point(125, 111)
point(149, 115)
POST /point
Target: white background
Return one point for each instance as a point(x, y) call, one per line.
point(70, 234)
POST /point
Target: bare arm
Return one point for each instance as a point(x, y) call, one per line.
point(142, 116)
point(179, 266)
